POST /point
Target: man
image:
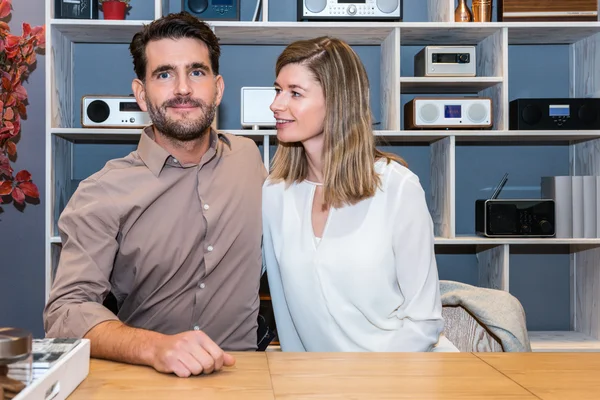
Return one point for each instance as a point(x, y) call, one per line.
point(173, 230)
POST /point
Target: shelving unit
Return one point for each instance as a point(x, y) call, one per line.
point(491, 41)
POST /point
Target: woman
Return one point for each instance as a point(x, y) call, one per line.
point(348, 240)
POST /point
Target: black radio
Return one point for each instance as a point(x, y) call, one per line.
point(514, 217)
point(226, 10)
point(554, 114)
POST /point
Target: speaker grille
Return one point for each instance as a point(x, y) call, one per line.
point(477, 113)
point(315, 6)
point(387, 6)
point(429, 112)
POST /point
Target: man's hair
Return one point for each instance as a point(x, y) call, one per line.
point(173, 26)
point(349, 151)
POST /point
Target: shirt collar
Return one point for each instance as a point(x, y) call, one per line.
point(155, 157)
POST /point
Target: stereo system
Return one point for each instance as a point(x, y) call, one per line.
point(448, 112)
point(256, 106)
point(554, 114)
point(445, 61)
point(112, 112)
point(350, 10)
point(515, 217)
point(225, 10)
point(76, 9)
point(547, 10)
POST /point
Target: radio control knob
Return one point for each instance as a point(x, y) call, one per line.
point(351, 9)
point(545, 226)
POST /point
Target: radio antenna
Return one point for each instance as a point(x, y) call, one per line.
point(500, 186)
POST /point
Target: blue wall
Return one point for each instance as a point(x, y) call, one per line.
point(540, 281)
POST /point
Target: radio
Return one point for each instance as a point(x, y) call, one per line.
point(350, 10)
point(514, 217)
point(554, 114)
point(226, 10)
point(449, 112)
point(77, 9)
point(112, 112)
point(547, 10)
point(255, 106)
point(445, 61)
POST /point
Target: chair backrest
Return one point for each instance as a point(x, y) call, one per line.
point(467, 333)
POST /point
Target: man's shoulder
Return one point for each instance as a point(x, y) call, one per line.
point(235, 143)
point(120, 169)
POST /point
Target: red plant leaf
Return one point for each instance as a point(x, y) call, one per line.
point(4, 8)
point(5, 188)
point(3, 25)
point(5, 168)
point(26, 29)
point(9, 114)
point(21, 108)
point(6, 85)
point(29, 189)
point(9, 125)
point(11, 148)
point(13, 40)
point(2, 45)
point(18, 195)
point(23, 176)
point(20, 92)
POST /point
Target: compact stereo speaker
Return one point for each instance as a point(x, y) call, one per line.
point(225, 10)
point(365, 10)
point(255, 106)
point(554, 114)
point(112, 112)
point(451, 113)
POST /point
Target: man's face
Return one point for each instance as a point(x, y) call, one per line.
point(181, 92)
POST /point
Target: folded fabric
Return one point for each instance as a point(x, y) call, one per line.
point(498, 310)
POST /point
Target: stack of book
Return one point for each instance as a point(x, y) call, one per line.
point(577, 204)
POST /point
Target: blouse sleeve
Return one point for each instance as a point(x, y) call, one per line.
point(416, 268)
point(286, 331)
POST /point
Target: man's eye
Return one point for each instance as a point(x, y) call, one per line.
point(197, 73)
point(163, 75)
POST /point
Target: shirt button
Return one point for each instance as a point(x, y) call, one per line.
point(175, 161)
point(202, 285)
point(209, 248)
point(196, 328)
point(206, 207)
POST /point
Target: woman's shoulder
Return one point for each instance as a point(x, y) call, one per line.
point(394, 174)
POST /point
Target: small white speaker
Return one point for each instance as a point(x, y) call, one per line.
point(255, 106)
point(449, 112)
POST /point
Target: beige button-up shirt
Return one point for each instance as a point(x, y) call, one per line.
point(178, 245)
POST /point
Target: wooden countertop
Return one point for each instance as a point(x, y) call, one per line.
point(277, 375)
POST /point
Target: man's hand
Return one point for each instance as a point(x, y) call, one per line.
point(189, 353)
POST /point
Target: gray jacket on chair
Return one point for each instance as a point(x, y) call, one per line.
point(498, 310)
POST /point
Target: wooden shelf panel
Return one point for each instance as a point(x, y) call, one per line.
point(446, 85)
point(562, 341)
point(429, 136)
point(356, 33)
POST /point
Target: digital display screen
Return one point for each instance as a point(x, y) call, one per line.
point(129, 106)
point(560, 110)
point(452, 111)
point(222, 2)
point(351, 1)
point(444, 58)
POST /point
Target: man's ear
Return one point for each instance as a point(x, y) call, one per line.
point(220, 89)
point(139, 91)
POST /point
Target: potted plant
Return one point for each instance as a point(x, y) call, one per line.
point(17, 61)
point(114, 9)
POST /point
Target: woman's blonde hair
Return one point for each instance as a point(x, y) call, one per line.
point(349, 151)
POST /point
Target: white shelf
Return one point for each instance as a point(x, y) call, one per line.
point(562, 341)
point(435, 85)
point(128, 134)
point(356, 33)
point(479, 240)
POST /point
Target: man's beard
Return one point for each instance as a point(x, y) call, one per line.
point(186, 129)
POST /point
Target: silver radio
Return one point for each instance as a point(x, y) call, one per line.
point(448, 113)
point(446, 61)
point(112, 112)
point(350, 10)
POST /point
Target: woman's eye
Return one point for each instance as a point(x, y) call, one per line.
point(295, 94)
point(277, 90)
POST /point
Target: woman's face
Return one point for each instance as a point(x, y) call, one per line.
point(299, 105)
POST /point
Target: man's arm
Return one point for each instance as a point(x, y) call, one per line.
point(185, 354)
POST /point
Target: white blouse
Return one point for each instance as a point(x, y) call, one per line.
point(369, 284)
